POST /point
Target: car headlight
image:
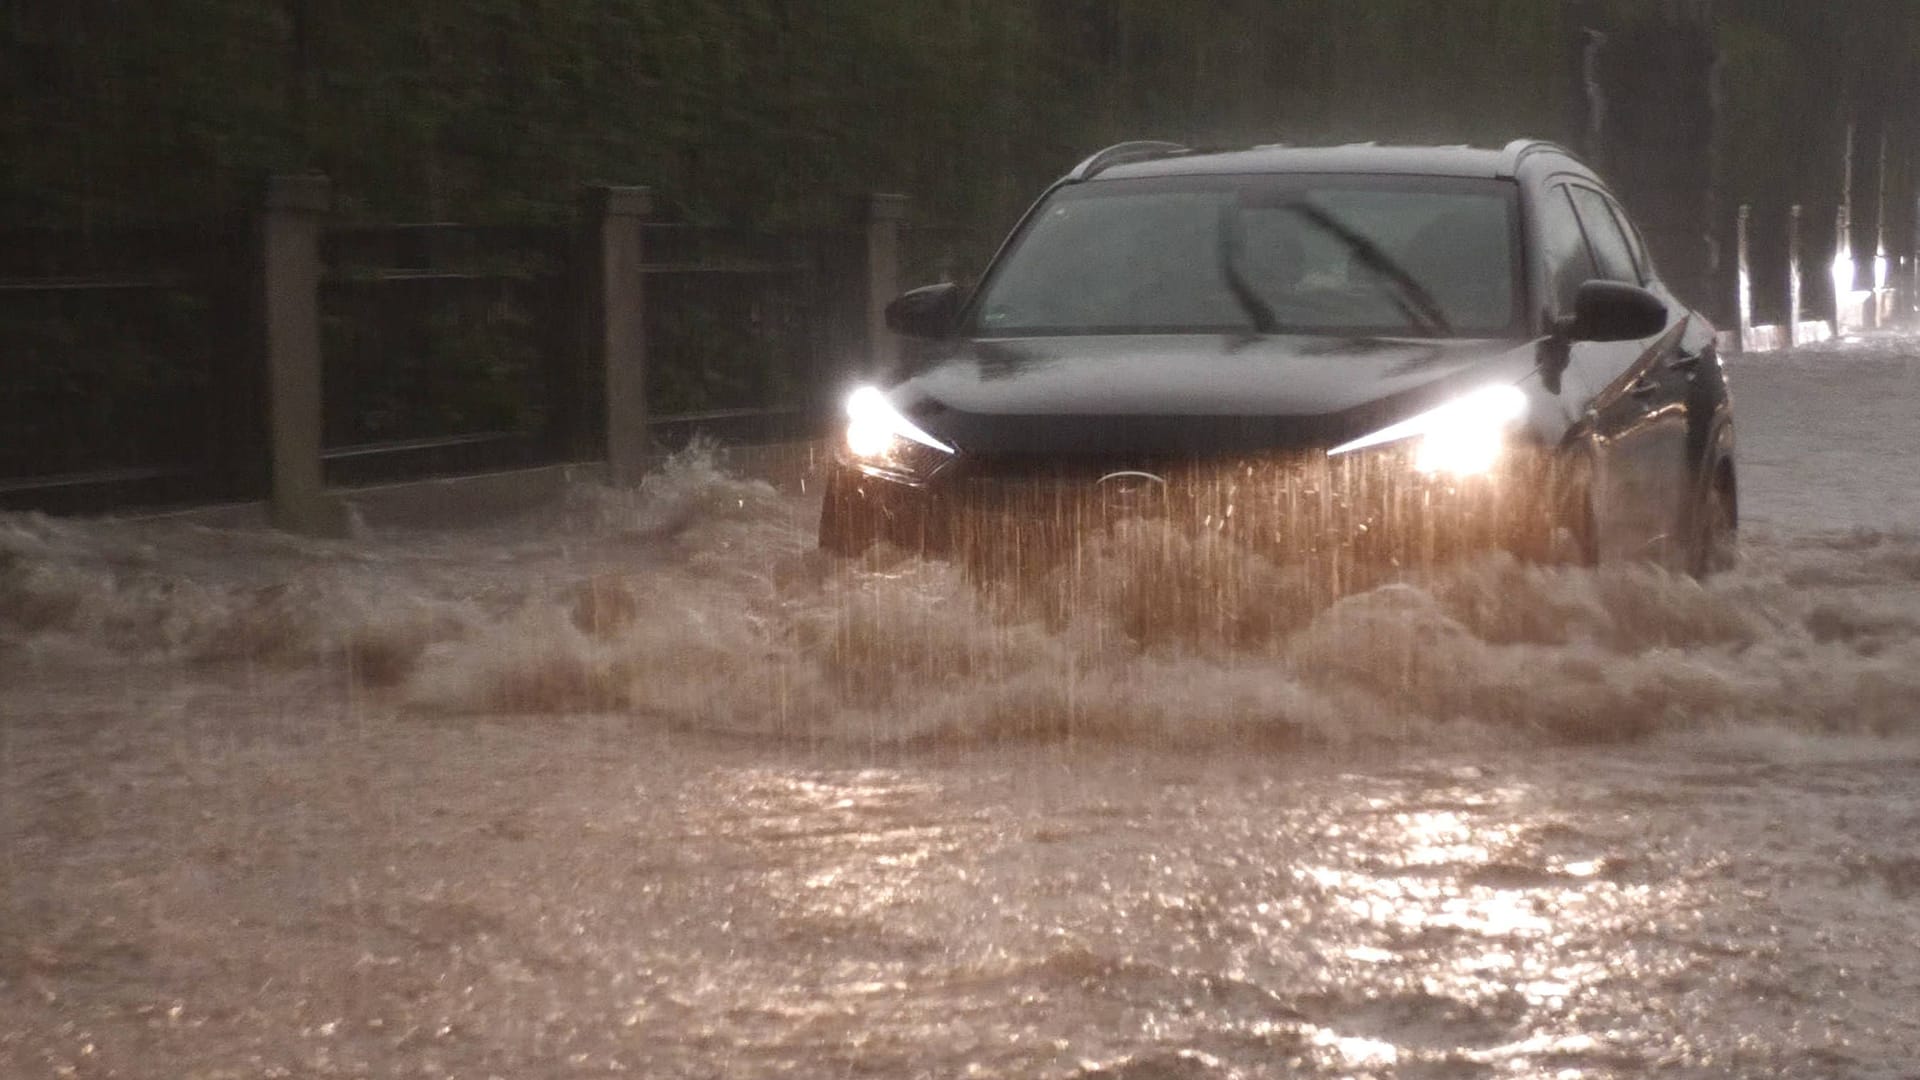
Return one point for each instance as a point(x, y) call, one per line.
point(881, 440)
point(1464, 437)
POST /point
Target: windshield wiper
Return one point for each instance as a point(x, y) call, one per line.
point(1259, 312)
point(1412, 298)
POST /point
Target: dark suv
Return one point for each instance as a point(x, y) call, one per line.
point(1383, 353)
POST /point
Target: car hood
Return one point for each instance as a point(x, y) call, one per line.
point(1178, 395)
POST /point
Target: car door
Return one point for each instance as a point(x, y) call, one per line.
point(1687, 370)
point(1643, 407)
point(1590, 384)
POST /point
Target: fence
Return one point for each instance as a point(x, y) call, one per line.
point(1856, 293)
point(118, 376)
point(282, 357)
point(760, 326)
point(1854, 280)
point(447, 348)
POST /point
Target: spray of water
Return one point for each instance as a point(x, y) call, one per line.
point(696, 601)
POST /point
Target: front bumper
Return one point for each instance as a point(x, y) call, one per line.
point(1372, 506)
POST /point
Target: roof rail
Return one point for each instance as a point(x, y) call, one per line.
point(1517, 151)
point(1121, 153)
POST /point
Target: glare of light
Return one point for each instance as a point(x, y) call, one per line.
point(1462, 904)
point(1460, 451)
point(1436, 838)
point(875, 428)
point(1843, 274)
point(869, 428)
point(1464, 437)
point(1356, 1051)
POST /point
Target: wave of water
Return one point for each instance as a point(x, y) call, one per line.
point(697, 602)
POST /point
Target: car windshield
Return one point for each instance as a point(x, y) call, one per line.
point(1320, 254)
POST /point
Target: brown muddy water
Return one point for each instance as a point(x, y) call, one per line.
point(642, 786)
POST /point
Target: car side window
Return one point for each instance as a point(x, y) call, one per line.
point(1609, 243)
point(1568, 263)
point(1634, 241)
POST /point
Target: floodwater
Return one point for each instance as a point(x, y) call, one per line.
point(642, 786)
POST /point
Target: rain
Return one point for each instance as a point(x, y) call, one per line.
point(504, 762)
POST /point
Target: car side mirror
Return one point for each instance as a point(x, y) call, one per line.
point(927, 312)
point(1615, 311)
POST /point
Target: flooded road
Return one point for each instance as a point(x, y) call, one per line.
point(645, 787)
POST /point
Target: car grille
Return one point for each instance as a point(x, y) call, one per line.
point(1300, 502)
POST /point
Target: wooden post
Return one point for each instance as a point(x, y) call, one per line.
point(1743, 280)
point(618, 257)
point(883, 218)
point(290, 308)
point(1793, 276)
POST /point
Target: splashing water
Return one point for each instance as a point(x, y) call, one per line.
point(698, 602)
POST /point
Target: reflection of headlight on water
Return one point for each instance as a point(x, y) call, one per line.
point(880, 436)
point(1464, 437)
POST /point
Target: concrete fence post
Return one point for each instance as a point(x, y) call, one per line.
point(1845, 273)
point(1880, 302)
point(1743, 280)
point(618, 263)
point(883, 218)
point(289, 240)
point(1793, 275)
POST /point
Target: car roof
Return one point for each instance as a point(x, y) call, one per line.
point(1136, 160)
